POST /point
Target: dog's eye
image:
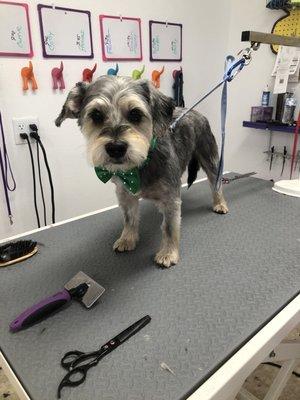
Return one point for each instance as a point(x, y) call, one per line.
point(97, 116)
point(135, 115)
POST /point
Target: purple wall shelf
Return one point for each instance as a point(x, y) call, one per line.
point(269, 126)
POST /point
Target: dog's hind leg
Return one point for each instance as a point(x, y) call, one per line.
point(219, 202)
point(130, 207)
point(168, 254)
point(207, 154)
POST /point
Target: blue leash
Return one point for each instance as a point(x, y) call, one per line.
point(232, 68)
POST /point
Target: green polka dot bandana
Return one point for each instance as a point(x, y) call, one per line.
point(131, 179)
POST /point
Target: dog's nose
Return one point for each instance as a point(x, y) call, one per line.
point(116, 149)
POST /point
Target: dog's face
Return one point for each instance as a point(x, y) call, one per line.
point(118, 116)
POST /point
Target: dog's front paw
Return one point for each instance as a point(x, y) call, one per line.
point(124, 244)
point(221, 208)
point(166, 258)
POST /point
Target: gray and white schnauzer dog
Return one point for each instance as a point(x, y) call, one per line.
point(126, 125)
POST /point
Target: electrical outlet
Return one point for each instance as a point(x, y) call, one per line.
point(21, 125)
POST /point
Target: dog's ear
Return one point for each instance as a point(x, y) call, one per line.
point(72, 106)
point(162, 107)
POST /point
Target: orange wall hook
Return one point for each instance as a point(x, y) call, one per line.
point(87, 74)
point(156, 77)
point(58, 78)
point(28, 76)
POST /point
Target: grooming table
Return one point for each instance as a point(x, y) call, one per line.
point(215, 316)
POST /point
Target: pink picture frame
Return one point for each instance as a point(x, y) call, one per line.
point(105, 55)
point(16, 53)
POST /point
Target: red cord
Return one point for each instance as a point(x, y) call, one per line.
point(293, 164)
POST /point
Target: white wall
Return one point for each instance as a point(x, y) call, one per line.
point(209, 34)
point(244, 148)
point(77, 188)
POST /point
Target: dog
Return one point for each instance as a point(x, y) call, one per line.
point(120, 118)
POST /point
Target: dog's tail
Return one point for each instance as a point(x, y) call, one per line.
point(193, 169)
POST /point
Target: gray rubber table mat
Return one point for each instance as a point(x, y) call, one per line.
point(236, 272)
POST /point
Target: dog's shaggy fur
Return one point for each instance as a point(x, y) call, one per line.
point(119, 116)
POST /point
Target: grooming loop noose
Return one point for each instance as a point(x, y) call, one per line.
point(232, 68)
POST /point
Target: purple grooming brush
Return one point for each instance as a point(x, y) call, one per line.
point(40, 310)
point(80, 287)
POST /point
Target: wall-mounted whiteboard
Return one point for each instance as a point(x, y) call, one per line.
point(15, 37)
point(121, 38)
point(65, 32)
point(165, 41)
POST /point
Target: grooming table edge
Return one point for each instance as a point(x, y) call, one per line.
point(227, 380)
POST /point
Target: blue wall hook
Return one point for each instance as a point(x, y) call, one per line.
point(113, 71)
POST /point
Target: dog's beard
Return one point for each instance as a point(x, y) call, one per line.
point(136, 154)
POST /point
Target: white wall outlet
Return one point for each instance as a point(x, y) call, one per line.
point(21, 125)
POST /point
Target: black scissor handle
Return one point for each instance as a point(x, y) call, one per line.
point(73, 378)
point(75, 358)
point(76, 375)
point(70, 357)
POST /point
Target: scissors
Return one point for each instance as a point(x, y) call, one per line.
point(272, 156)
point(284, 156)
point(228, 180)
point(77, 363)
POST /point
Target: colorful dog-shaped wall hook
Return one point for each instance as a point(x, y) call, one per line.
point(112, 71)
point(87, 74)
point(28, 76)
point(57, 77)
point(156, 77)
point(137, 74)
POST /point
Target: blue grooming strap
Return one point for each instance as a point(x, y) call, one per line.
point(232, 68)
point(223, 127)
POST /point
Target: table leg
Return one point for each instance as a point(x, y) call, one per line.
point(18, 388)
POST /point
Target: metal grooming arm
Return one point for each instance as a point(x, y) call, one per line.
point(269, 38)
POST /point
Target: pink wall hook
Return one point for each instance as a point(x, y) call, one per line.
point(176, 71)
point(58, 78)
point(87, 74)
point(28, 77)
